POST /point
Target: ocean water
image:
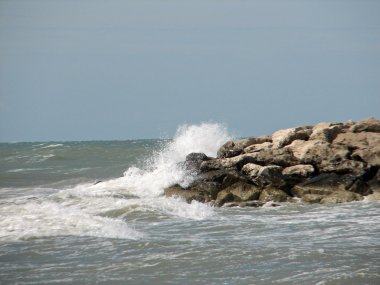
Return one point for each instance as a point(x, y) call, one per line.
point(93, 213)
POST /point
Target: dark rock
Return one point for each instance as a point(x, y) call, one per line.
point(194, 160)
point(197, 156)
point(323, 184)
point(230, 148)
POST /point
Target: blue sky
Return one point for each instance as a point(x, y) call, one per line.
point(89, 70)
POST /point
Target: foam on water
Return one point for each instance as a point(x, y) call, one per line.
point(82, 210)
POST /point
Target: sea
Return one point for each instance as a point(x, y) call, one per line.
point(93, 212)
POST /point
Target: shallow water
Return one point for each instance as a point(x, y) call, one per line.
point(58, 227)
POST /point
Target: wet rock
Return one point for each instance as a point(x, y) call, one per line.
point(341, 197)
point(188, 195)
point(254, 204)
point(273, 195)
point(312, 198)
point(238, 192)
point(374, 197)
point(367, 125)
point(193, 161)
point(374, 180)
point(323, 184)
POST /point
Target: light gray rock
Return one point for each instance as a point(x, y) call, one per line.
point(317, 152)
point(300, 170)
point(284, 137)
point(367, 125)
point(327, 131)
point(222, 163)
point(258, 147)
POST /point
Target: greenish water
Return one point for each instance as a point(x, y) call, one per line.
point(58, 227)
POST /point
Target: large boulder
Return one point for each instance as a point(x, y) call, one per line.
point(177, 191)
point(231, 148)
point(300, 170)
point(238, 192)
point(317, 152)
point(367, 125)
point(258, 147)
point(284, 137)
point(341, 197)
point(364, 146)
point(273, 195)
point(282, 157)
point(327, 131)
point(236, 162)
point(193, 160)
point(323, 184)
point(264, 175)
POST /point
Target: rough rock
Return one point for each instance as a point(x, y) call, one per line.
point(193, 160)
point(230, 148)
point(238, 192)
point(236, 162)
point(187, 195)
point(282, 157)
point(367, 125)
point(273, 195)
point(374, 197)
point(300, 170)
point(318, 152)
point(365, 146)
point(258, 147)
point(341, 197)
point(284, 137)
point(326, 131)
point(323, 184)
point(325, 163)
point(312, 198)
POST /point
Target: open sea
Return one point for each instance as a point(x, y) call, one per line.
point(93, 213)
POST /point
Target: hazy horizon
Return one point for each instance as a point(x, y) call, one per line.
point(119, 70)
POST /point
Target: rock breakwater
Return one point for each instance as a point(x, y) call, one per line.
point(324, 163)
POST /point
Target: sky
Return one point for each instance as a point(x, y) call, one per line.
point(104, 70)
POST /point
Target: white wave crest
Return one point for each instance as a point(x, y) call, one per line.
point(164, 168)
